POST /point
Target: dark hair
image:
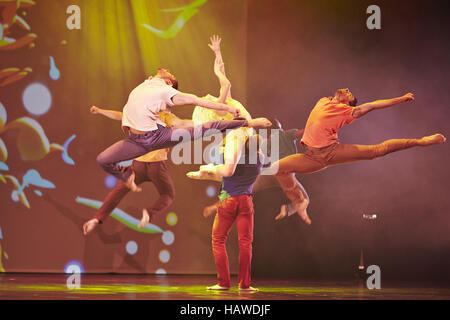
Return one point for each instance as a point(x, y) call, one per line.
point(171, 77)
point(354, 102)
point(174, 82)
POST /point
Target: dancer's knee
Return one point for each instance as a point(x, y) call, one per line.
point(218, 241)
point(102, 160)
point(245, 242)
point(168, 198)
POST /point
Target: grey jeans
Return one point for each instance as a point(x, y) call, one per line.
point(139, 144)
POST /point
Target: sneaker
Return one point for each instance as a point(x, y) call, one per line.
point(217, 287)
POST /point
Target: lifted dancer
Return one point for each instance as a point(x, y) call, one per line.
point(288, 140)
point(147, 132)
point(322, 146)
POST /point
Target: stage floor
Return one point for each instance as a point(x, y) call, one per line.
point(192, 287)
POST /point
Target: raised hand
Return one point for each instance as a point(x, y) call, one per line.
point(408, 97)
point(94, 110)
point(215, 43)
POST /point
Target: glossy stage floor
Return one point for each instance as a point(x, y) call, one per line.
point(192, 287)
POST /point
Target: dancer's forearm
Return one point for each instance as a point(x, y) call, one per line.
point(114, 115)
point(225, 84)
point(191, 99)
point(365, 108)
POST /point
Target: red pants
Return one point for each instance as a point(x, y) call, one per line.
point(155, 172)
point(239, 208)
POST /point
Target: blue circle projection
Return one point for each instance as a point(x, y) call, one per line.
point(210, 191)
point(37, 99)
point(132, 247)
point(111, 181)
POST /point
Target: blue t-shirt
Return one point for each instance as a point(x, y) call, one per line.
point(243, 179)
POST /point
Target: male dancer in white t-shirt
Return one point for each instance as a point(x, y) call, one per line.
point(147, 132)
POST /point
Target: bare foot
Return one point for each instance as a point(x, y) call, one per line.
point(433, 139)
point(301, 210)
point(217, 287)
point(259, 123)
point(90, 225)
point(249, 289)
point(145, 218)
point(131, 185)
point(209, 210)
point(283, 213)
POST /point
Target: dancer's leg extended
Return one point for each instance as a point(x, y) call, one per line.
point(347, 152)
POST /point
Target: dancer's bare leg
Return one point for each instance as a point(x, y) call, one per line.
point(289, 209)
point(287, 167)
point(348, 153)
point(145, 218)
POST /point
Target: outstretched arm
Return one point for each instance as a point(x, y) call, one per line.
point(115, 115)
point(235, 142)
point(190, 99)
point(219, 69)
point(363, 109)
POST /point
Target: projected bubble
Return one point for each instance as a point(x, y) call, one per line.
point(164, 256)
point(168, 237)
point(171, 219)
point(210, 191)
point(131, 247)
point(160, 271)
point(111, 181)
point(37, 99)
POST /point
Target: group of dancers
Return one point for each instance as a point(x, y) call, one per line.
point(150, 125)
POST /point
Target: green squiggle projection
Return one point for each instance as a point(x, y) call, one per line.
point(187, 12)
point(122, 217)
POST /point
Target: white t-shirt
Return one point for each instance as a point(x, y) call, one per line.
point(144, 104)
